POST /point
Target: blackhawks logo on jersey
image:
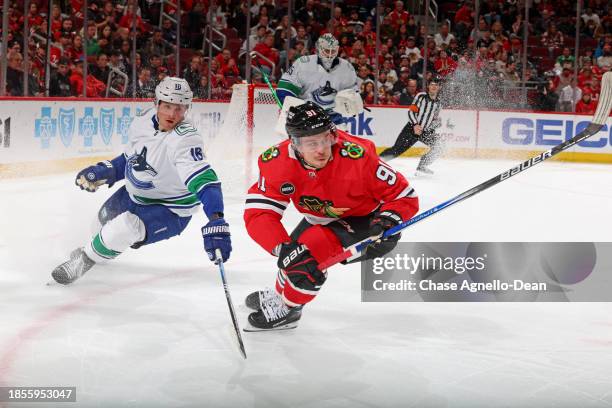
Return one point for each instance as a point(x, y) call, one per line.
point(270, 154)
point(323, 207)
point(352, 150)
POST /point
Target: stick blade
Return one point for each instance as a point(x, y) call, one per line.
point(605, 99)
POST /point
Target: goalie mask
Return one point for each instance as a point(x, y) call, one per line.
point(327, 50)
point(173, 90)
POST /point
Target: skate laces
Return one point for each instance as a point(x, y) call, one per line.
point(266, 294)
point(274, 308)
point(76, 265)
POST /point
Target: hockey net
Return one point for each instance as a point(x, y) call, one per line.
point(247, 130)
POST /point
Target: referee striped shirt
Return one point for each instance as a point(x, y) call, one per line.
point(427, 112)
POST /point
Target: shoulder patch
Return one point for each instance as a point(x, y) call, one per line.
point(304, 59)
point(352, 150)
point(271, 153)
point(184, 128)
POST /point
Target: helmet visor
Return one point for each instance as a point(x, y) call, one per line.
point(309, 144)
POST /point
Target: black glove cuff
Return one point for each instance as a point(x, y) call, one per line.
point(390, 215)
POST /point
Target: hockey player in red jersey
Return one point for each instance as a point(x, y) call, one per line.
point(346, 194)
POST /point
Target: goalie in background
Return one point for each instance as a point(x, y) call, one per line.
point(423, 120)
point(345, 193)
point(325, 79)
point(166, 178)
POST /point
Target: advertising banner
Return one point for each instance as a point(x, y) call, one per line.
point(54, 130)
point(539, 132)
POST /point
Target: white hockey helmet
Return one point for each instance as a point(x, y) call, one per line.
point(173, 90)
point(327, 49)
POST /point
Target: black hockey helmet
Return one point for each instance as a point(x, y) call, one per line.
point(306, 120)
point(435, 79)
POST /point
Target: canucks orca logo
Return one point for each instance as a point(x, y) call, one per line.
point(138, 163)
point(325, 95)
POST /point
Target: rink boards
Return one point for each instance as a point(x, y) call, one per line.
point(39, 136)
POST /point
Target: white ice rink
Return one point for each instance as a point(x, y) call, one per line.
point(152, 329)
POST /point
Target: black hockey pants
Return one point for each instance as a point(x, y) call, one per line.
point(407, 138)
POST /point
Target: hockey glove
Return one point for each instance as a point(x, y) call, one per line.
point(216, 235)
point(299, 264)
point(92, 177)
point(378, 225)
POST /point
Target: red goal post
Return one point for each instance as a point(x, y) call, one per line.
point(247, 130)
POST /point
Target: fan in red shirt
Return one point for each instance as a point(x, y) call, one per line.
point(445, 65)
point(346, 194)
point(399, 16)
point(95, 87)
point(35, 20)
point(266, 48)
point(128, 17)
point(586, 105)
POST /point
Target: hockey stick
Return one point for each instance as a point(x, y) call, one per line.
point(255, 59)
point(601, 115)
point(267, 81)
point(230, 304)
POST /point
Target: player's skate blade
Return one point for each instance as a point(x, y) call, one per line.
point(274, 315)
point(252, 329)
point(423, 171)
point(256, 299)
point(73, 269)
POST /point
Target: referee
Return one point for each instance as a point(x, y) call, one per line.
point(422, 123)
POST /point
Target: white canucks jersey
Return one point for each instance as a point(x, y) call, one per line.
point(167, 168)
point(308, 80)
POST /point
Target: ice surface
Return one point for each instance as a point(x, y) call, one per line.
point(152, 328)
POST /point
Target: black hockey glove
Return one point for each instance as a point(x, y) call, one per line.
point(92, 177)
point(380, 223)
point(298, 263)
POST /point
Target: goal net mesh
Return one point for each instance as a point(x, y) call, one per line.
point(246, 131)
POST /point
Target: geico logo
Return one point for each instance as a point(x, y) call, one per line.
point(550, 132)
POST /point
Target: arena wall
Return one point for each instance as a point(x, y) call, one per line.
point(39, 136)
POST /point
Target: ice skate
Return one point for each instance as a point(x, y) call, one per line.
point(74, 268)
point(257, 298)
point(274, 315)
point(423, 171)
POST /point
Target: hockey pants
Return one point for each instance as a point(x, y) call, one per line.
point(407, 138)
point(128, 224)
point(325, 241)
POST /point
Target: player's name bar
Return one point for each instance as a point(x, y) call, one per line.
point(37, 394)
point(465, 285)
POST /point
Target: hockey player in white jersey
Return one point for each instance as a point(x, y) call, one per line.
point(166, 178)
point(325, 79)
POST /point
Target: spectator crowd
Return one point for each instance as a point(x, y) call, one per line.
point(486, 59)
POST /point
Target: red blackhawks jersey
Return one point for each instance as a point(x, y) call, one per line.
point(355, 182)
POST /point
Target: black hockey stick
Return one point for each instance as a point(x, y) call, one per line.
point(230, 304)
point(601, 115)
